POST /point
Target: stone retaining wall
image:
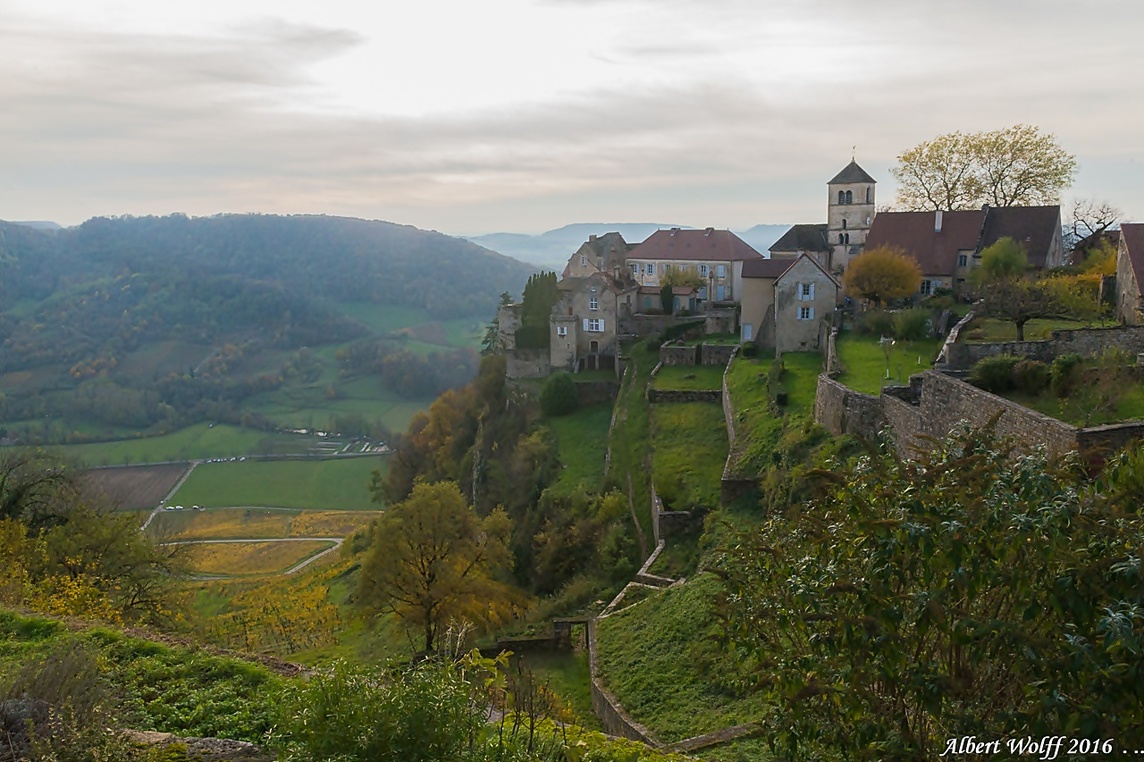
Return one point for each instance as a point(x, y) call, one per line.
point(841, 410)
point(527, 363)
point(612, 716)
point(1087, 342)
point(684, 395)
point(679, 354)
point(716, 354)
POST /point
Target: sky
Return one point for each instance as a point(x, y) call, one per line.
point(524, 115)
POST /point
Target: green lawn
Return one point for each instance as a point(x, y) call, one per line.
point(864, 361)
point(689, 444)
point(659, 661)
point(689, 377)
point(582, 437)
point(630, 440)
point(1085, 410)
point(341, 484)
point(992, 329)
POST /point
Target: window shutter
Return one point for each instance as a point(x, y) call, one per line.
point(585, 324)
point(811, 313)
point(601, 325)
point(812, 293)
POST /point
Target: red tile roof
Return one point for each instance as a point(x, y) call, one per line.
point(694, 245)
point(1132, 239)
point(935, 252)
point(767, 268)
point(1034, 227)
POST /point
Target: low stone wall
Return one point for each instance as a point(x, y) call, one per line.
point(595, 392)
point(527, 363)
point(612, 716)
point(841, 410)
point(679, 354)
point(1098, 442)
point(1087, 342)
point(722, 321)
point(716, 354)
point(646, 325)
point(684, 395)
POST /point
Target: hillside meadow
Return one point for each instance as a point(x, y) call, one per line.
point(332, 484)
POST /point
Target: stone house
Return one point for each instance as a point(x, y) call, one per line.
point(599, 254)
point(787, 303)
point(585, 321)
point(948, 245)
point(709, 254)
point(1130, 274)
point(803, 239)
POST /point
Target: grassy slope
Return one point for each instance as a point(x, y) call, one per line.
point(583, 441)
point(630, 440)
point(331, 484)
point(250, 558)
point(689, 441)
point(689, 377)
point(652, 658)
point(992, 329)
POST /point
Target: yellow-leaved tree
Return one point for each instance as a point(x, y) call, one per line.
point(433, 561)
point(882, 273)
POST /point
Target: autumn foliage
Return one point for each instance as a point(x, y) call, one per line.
point(882, 274)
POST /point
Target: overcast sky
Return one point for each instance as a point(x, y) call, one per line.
point(471, 116)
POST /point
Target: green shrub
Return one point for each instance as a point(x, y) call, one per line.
point(1062, 374)
point(749, 349)
point(681, 330)
point(912, 324)
point(1031, 376)
point(558, 395)
point(994, 374)
point(652, 343)
point(876, 323)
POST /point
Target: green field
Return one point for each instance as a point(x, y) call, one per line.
point(864, 362)
point(312, 406)
point(341, 484)
point(689, 449)
point(689, 377)
point(194, 442)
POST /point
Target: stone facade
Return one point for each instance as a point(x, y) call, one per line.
point(1128, 297)
point(585, 321)
point(527, 363)
point(805, 297)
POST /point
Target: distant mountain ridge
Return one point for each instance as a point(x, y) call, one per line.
point(551, 249)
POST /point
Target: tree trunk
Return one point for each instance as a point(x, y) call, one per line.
point(1020, 330)
point(429, 637)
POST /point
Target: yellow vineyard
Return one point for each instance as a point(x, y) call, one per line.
point(257, 523)
point(250, 557)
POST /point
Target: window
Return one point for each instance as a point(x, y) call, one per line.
point(593, 303)
point(649, 269)
point(962, 260)
point(703, 270)
point(594, 325)
point(721, 271)
point(635, 270)
point(841, 197)
point(927, 287)
point(583, 261)
point(806, 313)
point(703, 293)
point(843, 223)
point(805, 292)
point(849, 197)
point(843, 238)
point(561, 330)
point(868, 192)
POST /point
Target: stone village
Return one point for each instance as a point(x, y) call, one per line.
point(791, 300)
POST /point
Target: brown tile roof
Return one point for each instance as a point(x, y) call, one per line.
point(694, 245)
point(935, 252)
point(1132, 239)
point(1031, 226)
point(767, 268)
point(852, 173)
point(802, 238)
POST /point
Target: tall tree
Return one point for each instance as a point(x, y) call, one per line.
point(432, 560)
point(1007, 293)
point(1015, 166)
point(490, 341)
point(882, 273)
point(540, 294)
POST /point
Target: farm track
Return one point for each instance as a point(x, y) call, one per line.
point(154, 512)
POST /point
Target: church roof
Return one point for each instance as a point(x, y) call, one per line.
point(852, 174)
point(802, 238)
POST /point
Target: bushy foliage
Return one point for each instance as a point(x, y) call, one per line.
point(882, 274)
point(558, 396)
point(1062, 376)
point(994, 374)
point(970, 591)
point(876, 323)
point(913, 324)
point(1031, 376)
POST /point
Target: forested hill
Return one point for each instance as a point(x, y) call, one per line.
point(335, 258)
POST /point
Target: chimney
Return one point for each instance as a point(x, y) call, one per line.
point(591, 238)
point(937, 221)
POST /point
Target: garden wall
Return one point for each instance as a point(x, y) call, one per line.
point(841, 410)
point(716, 354)
point(527, 363)
point(684, 395)
point(612, 716)
point(679, 354)
point(1087, 342)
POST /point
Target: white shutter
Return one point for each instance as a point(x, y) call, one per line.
point(811, 312)
point(811, 293)
point(601, 325)
point(585, 324)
